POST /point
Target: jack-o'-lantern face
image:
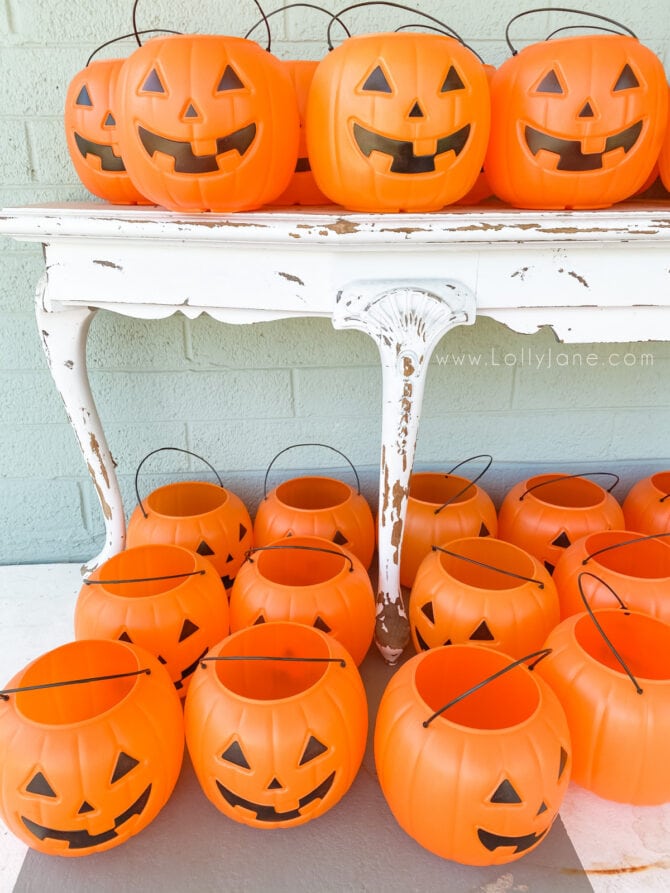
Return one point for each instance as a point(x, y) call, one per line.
point(86, 766)
point(398, 122)
point(576, 122)
point(90, 127)
point(208, 122)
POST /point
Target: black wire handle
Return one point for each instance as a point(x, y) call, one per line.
point(4, 695)
point(281, 546)
point(126, 36)
point(257, 4)
point(565, 477)
point(413, 25)
point(177, 450)
point(90, 581)
point(304, 660)
point(446, 29)
point(325, 446)
point(540, 655)
point(637, 539)
point(602, 632)
point(292, 6)
point(599, 28)
point(471, 483)
point(489, 567)
point(581, 12)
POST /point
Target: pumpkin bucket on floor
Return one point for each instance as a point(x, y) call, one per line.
point(638, 567)
point(545, 514)
point(317, 506)
point(203, 517)
point(610, 668)
point(307, 580)
point(276, 723)
point(162, 597)
point(647, 506)
point(473, 753)
point(482, 590)
point(91, 744)
point(440, 508)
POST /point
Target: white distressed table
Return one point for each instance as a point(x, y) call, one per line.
point(404, 279)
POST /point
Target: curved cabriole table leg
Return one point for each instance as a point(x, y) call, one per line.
point(406, 320)
point(63, 334)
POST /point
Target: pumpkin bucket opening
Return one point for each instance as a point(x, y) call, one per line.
point(567, 492)
point(435, 488)
point(506, 556)
point(299, 567)
point(186, 498)
point(661, 481)
point(77, 703)
point(313, 493)
point(271, 680)
point(642, 642)
point(446, 673)
point(647, 559)
point(143, 563)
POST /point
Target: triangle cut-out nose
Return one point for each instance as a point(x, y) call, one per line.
point(587, 111)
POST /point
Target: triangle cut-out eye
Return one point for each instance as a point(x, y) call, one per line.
point(229, 81)
point(313, 750)
point(153, 83)
point(452, 81)
point(84, 98)
point(377, 82)
point(505, 793)
point(188, 628)
point(562, 762)
point(549, 84)
point(233, 754)
point(627, 80)
point(124, 765)
point(39, 785)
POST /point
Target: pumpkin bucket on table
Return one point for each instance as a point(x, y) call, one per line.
point(317, 506)
point(647, 506)
point(276, 723)
point(91, 745)
point(203, 517)
point(160, 596)
point(473, 753)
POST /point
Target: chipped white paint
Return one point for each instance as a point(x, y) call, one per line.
point(594, 276)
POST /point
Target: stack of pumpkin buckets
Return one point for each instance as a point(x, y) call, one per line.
point(542, 635)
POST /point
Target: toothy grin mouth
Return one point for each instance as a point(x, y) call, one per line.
point(405, 161)
point(108, 160)
point(185, 160)
point(570, 154)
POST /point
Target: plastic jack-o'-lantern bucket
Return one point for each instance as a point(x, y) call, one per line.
point(610, 668)
point(203, 517)
point(276, 722)
point(647, 506)
point(638, 567)
point(317, 506)
point(162, 597)
point(547, 513)
point(91, 744)
point(307, 580)
point(441, 508)
point(482, 590)
point(473, 753)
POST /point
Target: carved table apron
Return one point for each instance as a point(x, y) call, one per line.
point(404, 279)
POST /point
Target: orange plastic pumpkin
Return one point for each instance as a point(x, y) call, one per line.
point(610, 668)
point(84, 767)
point(481, 189)
point(473, 772)
point(441, 508)
point(576, 122)
point(664, 157)
point(647, 506)
point(90, 127)
point(308, 580)
point(317, 506)
point(482, 590)
point(636, 566)
point(207, 122)
point(162, 597)
point(276, 724)
point(203, 517)
point(398, 122)
point(545, 514)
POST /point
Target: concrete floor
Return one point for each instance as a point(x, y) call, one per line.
point(356, 846)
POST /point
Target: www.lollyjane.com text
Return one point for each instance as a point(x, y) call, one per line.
point(528, 358)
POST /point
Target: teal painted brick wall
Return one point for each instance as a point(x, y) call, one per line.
point(239, 395)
